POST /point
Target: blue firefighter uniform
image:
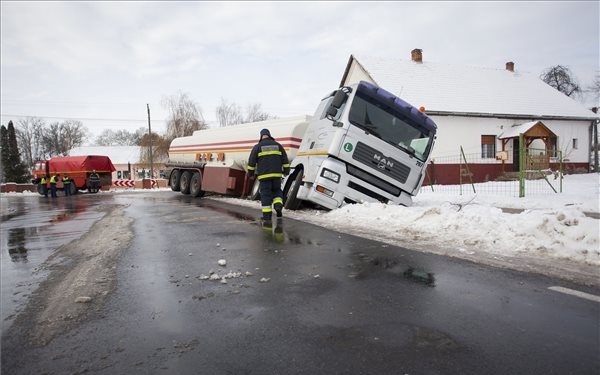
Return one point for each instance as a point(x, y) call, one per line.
point(269, 162)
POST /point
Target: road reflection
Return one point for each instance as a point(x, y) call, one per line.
point(16, 244)
point(32, 229)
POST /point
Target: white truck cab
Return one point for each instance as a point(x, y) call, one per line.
point(363, 144)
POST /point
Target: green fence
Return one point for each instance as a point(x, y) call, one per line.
point(539, 173)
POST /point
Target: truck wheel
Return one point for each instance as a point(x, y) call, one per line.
point(184, 182)
point(196, 185)
point(291, 201)
point(255, 192)
point(174, 180)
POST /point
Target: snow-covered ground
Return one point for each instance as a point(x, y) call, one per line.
point(546, 233)
point(554, 234)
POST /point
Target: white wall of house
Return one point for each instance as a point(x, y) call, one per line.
point(456, 131)
point(567, 131)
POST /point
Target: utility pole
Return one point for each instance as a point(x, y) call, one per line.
point(150, 134)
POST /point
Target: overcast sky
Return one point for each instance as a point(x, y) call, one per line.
point(104, 61)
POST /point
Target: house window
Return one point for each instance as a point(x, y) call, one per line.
point(575, 143)
point(488, 146)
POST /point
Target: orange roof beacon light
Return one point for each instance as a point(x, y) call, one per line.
point(422, 109)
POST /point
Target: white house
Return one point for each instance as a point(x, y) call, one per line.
point(124, 158)
point(483, 110)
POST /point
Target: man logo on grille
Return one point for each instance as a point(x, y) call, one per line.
point(382, 162)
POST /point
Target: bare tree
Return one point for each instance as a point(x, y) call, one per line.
point(561, 78)
point(121, 137)
point(59, 138)
point(29, 136)
point(255, 113)
point(229, 113)
point(594, 88)
point(185, 116)
point(160, 148)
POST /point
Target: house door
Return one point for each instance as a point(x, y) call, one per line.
point(516, 154)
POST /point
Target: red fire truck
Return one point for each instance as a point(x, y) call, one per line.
point(78, 168)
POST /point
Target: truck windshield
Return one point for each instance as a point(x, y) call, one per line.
point(391, 127)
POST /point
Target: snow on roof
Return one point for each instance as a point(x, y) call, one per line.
point(515, 130)
point(470, 89)
point(117, 154)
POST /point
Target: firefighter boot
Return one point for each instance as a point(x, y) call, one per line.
point(278, 208)
point(266, 221)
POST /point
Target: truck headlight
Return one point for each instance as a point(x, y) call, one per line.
point(330, 175)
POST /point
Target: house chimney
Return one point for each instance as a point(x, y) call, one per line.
point(417, 55)
point(510, 66)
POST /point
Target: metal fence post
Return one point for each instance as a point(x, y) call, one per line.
point(521, 166)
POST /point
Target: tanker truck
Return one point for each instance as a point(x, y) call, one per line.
point(363, 144)
point(78, 168)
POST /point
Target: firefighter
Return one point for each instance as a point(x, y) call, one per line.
point(94, 181)
point(269, 162)
point(53, 180)
point(44, 183)
point(67, 185)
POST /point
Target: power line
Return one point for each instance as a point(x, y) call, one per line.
point(75, 118)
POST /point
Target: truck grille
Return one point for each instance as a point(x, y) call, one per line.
point(378, 161)
point(375, 181)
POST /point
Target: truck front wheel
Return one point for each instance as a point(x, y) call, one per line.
point(255, 192)
point(184, 182)
point(291, 192)
point(174, 180)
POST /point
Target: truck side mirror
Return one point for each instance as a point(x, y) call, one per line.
point(338, 99)
point(331, 112)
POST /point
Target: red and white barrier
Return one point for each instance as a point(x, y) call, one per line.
point(124, 183)
point(140, 184)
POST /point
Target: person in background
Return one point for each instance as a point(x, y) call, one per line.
point(44, 183)
point(53, 180)
point(94, 181)
point(269, 161)
point(67, 185)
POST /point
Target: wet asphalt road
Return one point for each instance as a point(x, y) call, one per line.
point(333, 303)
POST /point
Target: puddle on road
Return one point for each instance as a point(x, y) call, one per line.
point(366, 265)
point(32, 229)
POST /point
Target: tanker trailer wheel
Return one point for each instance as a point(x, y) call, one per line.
point(174, 180)
point(196, 185)
point(184, 182)
point(291, 202)
point(255, 192)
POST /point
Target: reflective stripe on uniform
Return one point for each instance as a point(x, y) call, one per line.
point(286, 165)
point(265, 153)
point(270, 175)
point(266, 209)
point(250, 168)
point(277, 200)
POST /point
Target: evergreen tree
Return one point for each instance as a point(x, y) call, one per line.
point(18, 170)
point(6, 167)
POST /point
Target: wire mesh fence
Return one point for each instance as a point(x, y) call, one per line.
point(473, 173)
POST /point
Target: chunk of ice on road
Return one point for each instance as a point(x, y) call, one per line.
point(222, 262)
